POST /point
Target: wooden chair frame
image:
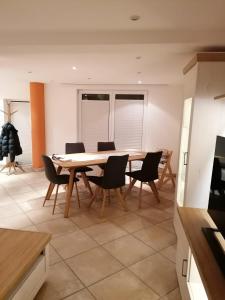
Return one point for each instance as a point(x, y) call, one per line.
point(165, 170)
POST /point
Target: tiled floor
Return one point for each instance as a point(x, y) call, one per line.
point(125, 256)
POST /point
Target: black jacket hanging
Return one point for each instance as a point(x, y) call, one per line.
point(9, 142)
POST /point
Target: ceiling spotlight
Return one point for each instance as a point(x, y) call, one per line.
point(135, 18)
point(138, 57)
point(139, 82)
point(74, 68)
point(29, 72)
point(139, 72)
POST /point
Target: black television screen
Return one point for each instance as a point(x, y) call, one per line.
point(216, 207)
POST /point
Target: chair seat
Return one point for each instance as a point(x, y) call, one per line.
point(98, 180)
point(83, 169)
point(64, 179)
point(138, 175)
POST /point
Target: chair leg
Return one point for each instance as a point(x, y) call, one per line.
point(49, 192)
point(129, 188)
point(140, 196)
point(103, 204)
point(121, 200)
point(78, 198)
point(154, 190)
point(56, 194)
point(87, 183)
point(93, 198)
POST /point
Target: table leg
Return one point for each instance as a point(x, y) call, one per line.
point(69, 193)
point(130, 168)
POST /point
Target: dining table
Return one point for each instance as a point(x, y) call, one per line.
point(73, 161)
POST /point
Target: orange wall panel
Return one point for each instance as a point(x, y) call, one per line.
point(37, 123)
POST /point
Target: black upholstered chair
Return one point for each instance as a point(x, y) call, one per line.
point(113, 178)
point(105, 146)
point(54, 178)
point(79, 148)
point(148, 173)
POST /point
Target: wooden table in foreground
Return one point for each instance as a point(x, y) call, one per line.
point(193, 219)
point(72, 161)
point(23, 263)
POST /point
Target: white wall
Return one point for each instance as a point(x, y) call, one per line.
point(208, 121)
point(164, 115)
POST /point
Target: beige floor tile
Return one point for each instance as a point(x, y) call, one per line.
point(158, 273)
point(15, 222)
point(25, 196)
point(156, 237)
point(44, 214)
point(81, 295)
point(122, 286)
point(86, 219)
point(57, 227)
point(105, 232)
point(33, 204)
point(30, 228)
point(128, 250)
point(60, 283)
point(14, 190)
point(167, 225)
point(131, 222)
point(72, 244)
point(174, 295)
point(155, 216)
point(9, 210)
point(53, 256)
point(170, 252)
point(94, 265)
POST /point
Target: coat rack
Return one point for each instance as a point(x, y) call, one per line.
point(9, 165)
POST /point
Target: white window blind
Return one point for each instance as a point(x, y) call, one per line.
point(94, 123)
point(128, 126)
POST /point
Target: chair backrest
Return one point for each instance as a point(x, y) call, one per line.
point(114, 173)
point(74, 148)
point(105, 146)
point(50, 170)
point(150, 165)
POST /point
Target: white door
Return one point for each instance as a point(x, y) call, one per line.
point(22, 122)
point(94, 120)
point(128, 122)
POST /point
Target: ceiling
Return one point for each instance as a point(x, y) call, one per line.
point(41, 40)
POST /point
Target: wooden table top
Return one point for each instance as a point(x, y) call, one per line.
point(18, 252)
point(193, 219)
point(94, 158)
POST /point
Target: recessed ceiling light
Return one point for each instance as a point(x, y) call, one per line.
point(29, 72)
point(138, 57)
point(89, 78)
point(74, 68)
point(139, 72)
point(139, 82)
point(135, 18)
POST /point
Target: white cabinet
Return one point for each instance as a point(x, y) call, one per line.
point(190, 283)
point(33, 280)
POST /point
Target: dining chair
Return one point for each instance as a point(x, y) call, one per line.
point(105, 146)
point(165, 170)
point(113, 178)
point(79, 148)
point(148, 173)
point(54, 178)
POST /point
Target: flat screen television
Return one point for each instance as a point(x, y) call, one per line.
point(216, 206)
